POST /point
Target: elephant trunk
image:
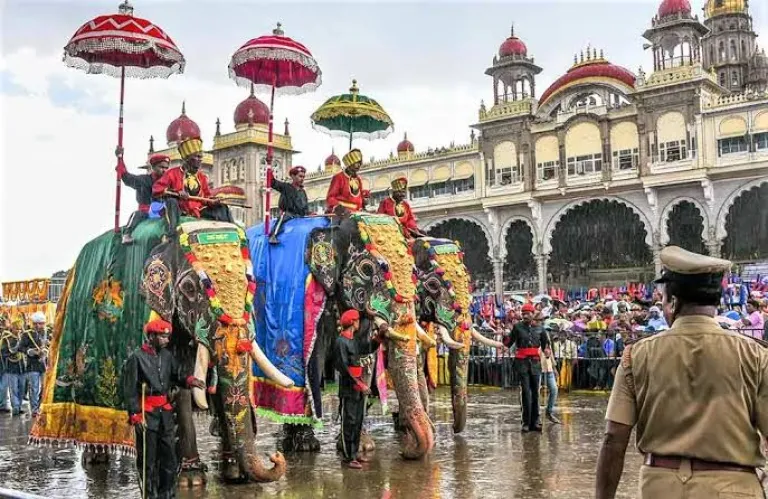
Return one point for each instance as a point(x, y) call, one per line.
point(403, 369)
point(458, 365)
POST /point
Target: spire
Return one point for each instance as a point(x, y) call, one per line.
point(287, 132)
point(252, 94)
point(354, 89)
point(151, 144)
point(218, 127)
point(279, 30)
point(183, 108)
point(125, 8)
point(512, 30)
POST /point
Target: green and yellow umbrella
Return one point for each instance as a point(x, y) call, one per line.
point(352, 115)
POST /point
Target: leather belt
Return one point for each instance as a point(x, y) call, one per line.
point(674, 462)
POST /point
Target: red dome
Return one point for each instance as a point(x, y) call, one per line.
point(671, 7)
point(251, 110)
point(601, 69)
point(182, 128)
point(405, 145)
point(332, 160)
point(513, 46)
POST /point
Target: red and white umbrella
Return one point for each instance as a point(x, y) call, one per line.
point(123, 45)
point(282, 66)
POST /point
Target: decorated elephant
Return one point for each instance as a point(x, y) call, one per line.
point(444, 299)
point(316, 272)
point(199, 281)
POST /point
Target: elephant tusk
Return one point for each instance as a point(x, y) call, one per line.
point(447, 340)
point(201, 370)
point(424, 338)
point(485, 341)
point(269, 369)
point(391, 334)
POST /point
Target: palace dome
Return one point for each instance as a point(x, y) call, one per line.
point(332, 160)
point(251, 110)
point(672, 7)
point(182, 128)
point(513, 46)
point(594, 69)
point(405, 145)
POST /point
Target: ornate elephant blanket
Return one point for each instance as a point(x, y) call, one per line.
point(288, 304)
point(98, 324)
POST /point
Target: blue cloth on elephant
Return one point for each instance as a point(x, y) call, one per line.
point(279, 304)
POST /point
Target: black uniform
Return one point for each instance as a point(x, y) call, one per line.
point(528, 339)
point(142, 184)
point(158, 370)
point(351, 354)
point(293, 203)
point(34, 340)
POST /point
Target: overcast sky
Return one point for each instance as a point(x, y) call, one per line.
point(424, 62)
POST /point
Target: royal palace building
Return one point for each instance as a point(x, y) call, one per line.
point(583, 183)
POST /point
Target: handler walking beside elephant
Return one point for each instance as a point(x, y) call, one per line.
point(352, 389)
point(147, 378)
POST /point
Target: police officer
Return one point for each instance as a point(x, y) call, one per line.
point(147, 378)
point(697, 393)
point(528, 337)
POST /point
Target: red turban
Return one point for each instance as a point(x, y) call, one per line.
point(297, 169)
point(158, 326)
point(348, 317)
point(157, 158)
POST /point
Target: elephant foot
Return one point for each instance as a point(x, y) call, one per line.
point(192, 475)
point(91, 457)
point(230, 469)
point(299, 438)
point(366, 442)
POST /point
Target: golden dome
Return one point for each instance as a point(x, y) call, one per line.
point(717, 7)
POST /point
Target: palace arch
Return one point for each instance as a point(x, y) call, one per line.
point(474, 242)
point(746, 223)
point(684, 223)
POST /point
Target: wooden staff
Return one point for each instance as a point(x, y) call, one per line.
point(208, 201)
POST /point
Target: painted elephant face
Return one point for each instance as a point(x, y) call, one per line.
point(342, 263)
point(204, 280)
point(437, 298)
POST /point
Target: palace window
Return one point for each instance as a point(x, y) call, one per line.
point(732, 145)
point(377, 197)
point(464, 185)
point(626, 159)
point(675, 150)
point(761, 141)
point(547, 170)
point(585, 165)
point(441, 188)
point(420, 192)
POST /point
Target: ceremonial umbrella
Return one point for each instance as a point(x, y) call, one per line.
point(284, 67)
point(353, 115)
point(123, 45)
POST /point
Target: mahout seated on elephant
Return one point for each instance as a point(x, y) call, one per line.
point(362, 263)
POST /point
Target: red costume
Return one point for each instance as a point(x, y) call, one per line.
point(194, 184)
point(345, 191)
point(402, 211)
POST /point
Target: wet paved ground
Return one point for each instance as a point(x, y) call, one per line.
point(491, 459)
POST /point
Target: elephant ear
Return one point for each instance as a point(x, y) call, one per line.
point(324, 258)
point(157, 281)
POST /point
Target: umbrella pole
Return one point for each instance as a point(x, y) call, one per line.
point(119, 151)
point(270, 155)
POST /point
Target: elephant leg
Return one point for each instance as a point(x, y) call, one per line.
point(299, 438)
point(422, 379)
point(192, 469)
point(419, 435)
point(92, 457)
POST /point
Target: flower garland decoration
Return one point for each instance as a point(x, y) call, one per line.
point(385, 268)
point(210, 290)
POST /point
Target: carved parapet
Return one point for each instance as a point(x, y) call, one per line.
point(506, 109)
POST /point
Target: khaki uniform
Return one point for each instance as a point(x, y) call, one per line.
point(700, 392)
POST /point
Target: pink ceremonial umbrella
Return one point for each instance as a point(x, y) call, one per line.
point(123, 45)
point(284, 67)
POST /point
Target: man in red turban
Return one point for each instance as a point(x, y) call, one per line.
point(293, 199)
point(147, 378)
point(142, 184)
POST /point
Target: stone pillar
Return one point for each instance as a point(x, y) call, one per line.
point(541, 265)
point(713, 247)
point(498, 277)
point(657, 260)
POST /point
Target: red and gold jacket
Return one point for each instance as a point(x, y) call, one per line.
point(345, 191)
point(177, 180)
point(402, 211)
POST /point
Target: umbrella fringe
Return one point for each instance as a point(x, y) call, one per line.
point(355, 135)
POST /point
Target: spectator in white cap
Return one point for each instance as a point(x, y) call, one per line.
point(34, 344)
point(656, 320)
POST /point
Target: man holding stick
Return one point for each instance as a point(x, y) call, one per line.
point(185, 189)
point(147, 379)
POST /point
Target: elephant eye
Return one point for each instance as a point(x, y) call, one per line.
point(189, 288)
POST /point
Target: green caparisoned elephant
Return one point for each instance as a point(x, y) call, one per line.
point(108, 297)
point(318, 271)
point(444, 299)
